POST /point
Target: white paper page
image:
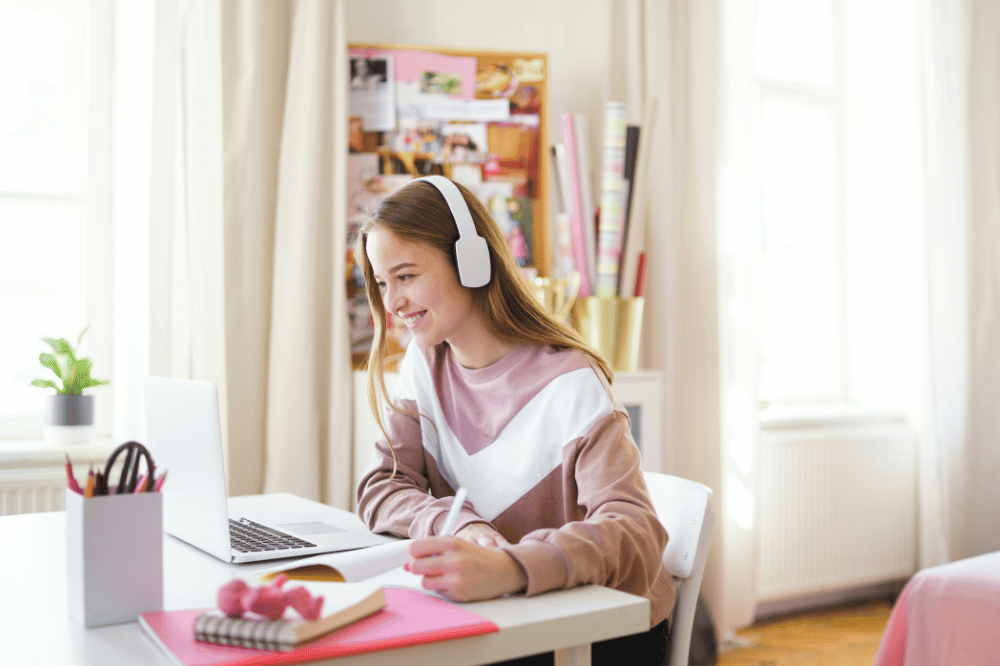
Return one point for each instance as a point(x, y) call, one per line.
point(356, 565)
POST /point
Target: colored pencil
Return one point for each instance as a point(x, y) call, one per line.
point(71, 481)
point(88, 491)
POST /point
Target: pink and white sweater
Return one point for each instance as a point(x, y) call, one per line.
point(546, 454)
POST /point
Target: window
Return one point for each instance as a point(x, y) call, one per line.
point(800, 120)
point(832, 111)
point(54, 96)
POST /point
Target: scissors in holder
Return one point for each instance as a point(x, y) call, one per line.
point(129, 476)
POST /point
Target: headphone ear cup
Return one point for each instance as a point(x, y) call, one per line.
point(472, 253)
point(473, 258)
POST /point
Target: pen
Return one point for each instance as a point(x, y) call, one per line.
point(159, 482)
point(71, 481)
point(452, 517)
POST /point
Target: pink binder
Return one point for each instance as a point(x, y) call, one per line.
point(581, 225)
point(409, 618)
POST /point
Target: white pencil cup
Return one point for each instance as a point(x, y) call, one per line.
point(114, 548)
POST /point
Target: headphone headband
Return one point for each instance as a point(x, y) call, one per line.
point(471, 251)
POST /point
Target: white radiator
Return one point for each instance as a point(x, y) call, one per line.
point(32, 491)
point(837, 509)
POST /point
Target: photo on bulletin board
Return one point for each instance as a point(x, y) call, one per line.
point(472, 116)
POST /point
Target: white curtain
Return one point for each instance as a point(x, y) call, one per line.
point(309, 377)
point(710, 403)
point(248, 152)
point(941, 418)
point(977, 504)
point(960, 438)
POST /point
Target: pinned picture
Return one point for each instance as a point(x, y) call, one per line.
point(529, 70)
point(373, 96)
point(496, 80)
point(417, 136)
point(513, 216)
point(441, 83)
point(368, 73)
point(525, 100)
point(464, 142)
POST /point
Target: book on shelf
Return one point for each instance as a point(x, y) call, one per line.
point(588, 207)
point(582, 258)
point(635, 238)
point(564, 263)
point(409, 615)
point(632, 133)
point(613, 191)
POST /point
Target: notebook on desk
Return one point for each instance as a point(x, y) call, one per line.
point(184, 435)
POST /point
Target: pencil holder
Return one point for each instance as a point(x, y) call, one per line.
point(557, 295)
point(114, 548)
point(612, 327)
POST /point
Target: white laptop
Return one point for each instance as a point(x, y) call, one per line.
point(184, 436)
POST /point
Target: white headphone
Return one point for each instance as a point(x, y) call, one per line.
point(472, 254)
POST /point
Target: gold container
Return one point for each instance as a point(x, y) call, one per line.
point(612, 327)
point(557, 295)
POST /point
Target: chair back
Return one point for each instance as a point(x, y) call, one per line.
point(684, 508)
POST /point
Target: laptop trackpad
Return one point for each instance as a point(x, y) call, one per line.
point(309, 528)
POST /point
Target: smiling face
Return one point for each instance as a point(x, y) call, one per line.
point(418, 284)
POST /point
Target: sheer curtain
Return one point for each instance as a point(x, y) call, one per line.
point(710, 409)
point(960, 435)
point(245, 146)
point(976, 503)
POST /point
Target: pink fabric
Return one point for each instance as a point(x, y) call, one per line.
point(947, 615)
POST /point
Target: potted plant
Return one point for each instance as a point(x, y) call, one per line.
point(70, 413)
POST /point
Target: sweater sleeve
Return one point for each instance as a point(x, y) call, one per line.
point(619, 541)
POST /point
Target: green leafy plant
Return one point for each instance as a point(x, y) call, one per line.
point(73, 372)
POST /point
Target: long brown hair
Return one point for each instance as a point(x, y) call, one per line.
point(419, 213)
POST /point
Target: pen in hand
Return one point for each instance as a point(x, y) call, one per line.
point(448, 528)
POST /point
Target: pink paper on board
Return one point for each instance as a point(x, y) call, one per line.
point(410, 66)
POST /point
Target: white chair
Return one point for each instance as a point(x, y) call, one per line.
point(685, 510)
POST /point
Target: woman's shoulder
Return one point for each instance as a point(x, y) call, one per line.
point(553, 362)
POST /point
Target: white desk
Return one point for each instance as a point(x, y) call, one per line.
point(36, 629)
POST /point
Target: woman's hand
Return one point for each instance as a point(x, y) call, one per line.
point(482, 534)
point(465, 571)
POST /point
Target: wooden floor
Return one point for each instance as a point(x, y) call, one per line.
point(842, 636)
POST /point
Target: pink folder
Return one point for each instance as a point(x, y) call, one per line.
point(409, 618)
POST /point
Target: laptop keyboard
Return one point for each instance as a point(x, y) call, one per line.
point(247, 536)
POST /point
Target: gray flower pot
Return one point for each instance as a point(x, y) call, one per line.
point(69, 418)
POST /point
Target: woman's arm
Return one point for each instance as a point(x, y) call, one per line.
point(619, 541)
point(403, 505)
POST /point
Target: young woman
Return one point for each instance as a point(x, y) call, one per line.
point(496, 396)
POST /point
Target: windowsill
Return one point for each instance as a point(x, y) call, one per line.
point(798, 417)
point(21, 453)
